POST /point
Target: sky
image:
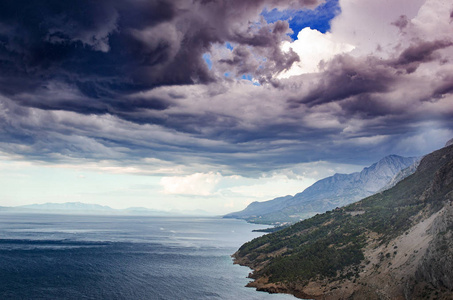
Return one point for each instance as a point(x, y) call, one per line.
point(214, 104)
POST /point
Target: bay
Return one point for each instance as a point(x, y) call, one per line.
point(123, 257)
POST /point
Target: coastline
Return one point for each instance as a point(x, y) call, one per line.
point(261, 284)
point(396, 276)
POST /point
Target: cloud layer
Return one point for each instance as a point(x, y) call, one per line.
point(125, 84)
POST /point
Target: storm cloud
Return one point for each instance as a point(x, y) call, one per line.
point(183, 86)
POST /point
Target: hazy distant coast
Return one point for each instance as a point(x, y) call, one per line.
point(79, 208)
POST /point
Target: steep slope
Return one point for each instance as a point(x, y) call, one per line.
point(401, 175)
point(256, 209)
point(393, 245)
point(449, 143)
point(326, 194)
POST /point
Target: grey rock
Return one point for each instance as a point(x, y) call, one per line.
point(437, 264)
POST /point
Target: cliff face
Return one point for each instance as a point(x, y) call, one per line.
point(328, 193)
point(436, 266)
point(397, 244)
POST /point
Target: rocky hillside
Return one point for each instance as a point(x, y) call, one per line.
point(326, 194)
point(393, 245)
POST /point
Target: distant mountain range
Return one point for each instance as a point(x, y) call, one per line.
point(397, 244)
point(94, 209)
point(329, 193)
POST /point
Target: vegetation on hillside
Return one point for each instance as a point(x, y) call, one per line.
point(334, 241)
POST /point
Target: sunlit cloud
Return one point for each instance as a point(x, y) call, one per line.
point(314, 49)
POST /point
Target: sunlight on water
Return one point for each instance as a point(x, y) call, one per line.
point(113, 257)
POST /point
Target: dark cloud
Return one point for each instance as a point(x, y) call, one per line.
point(96, 58)
point(126, 81)
point(359, 80)
point(93, 41)
point(107, 49)
point(265, 58)
point(367, 106)
point(443, 88)
point(401, 22)
point(419, 53)
point(242, 60)
point(347, 77)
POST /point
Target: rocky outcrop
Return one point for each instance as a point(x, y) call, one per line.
point(401, 175)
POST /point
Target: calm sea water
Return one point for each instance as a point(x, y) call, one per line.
point(113, 257)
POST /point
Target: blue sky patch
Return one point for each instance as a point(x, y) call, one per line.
point(247, 77)
point(318, 18)
point(207, 59)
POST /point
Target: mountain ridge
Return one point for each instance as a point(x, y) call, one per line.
point(326, 194)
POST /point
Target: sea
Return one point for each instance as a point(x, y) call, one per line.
point(48, 256)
